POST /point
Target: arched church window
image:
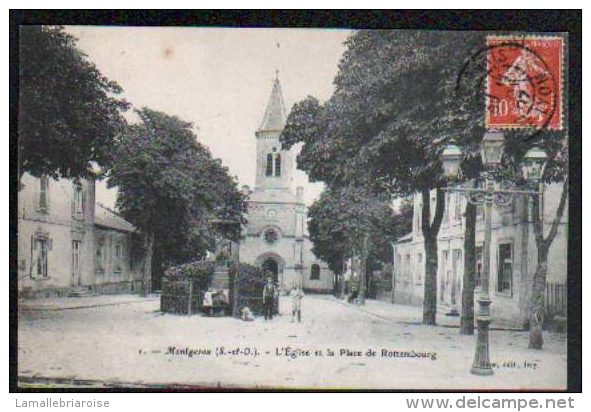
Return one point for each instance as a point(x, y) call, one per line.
point(277, 164)
point(271, 236)
point(315, 272)
point(269, 170)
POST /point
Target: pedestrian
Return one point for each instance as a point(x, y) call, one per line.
point(296, 302)
point(269, 293)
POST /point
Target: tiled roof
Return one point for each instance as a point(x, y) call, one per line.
point(105, 217)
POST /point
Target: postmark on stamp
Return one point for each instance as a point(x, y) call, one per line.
point(524, 82)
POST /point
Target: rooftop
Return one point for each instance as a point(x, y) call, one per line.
point(275, 115)
point(105, 217)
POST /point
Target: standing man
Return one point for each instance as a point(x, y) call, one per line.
point(296, 302)
point(269, 293)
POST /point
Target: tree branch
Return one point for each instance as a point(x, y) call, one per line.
point(559, 212)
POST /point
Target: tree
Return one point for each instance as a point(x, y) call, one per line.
point(518, 142)
point(348, 222)
point(69, 113)
point(384, 127)
point(169, 187)
point(555, 143)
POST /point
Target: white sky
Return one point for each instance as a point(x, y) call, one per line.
point(217, 78)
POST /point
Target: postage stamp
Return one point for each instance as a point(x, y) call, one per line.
point(524, 82)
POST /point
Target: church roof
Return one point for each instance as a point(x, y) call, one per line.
point(275, 116)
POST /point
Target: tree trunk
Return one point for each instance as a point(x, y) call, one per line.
point(430, 232)
point(145, 285)
point(363, 270)
point(430, 295)
point(536, 320)
point(467, 318)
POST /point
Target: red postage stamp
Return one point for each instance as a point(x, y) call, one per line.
point(524, 83)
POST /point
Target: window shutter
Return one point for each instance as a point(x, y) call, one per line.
point(278, 165)
point(83, 200)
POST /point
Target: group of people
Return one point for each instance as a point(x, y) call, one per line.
point(270, 296)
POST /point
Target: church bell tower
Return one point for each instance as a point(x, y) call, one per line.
point(274, 167)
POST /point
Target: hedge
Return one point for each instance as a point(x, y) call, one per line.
point(248, 284)
point(183, 286)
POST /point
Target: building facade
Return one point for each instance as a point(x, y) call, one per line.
point(275, 236)
point(513, 256)
point(67, 242)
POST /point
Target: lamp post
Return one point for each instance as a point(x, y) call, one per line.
point(491, 152)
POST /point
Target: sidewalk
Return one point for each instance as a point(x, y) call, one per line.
point(82, 302)
point(412, 315)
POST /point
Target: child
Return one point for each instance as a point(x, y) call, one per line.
point(296, 298)
point(247, 314)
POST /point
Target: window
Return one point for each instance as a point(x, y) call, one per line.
point(444, 274)
point(446, 210)
point(269, 169)
point(407, 273)
point(419, 269)
point(271, 236)
point(315, 272)
point(420, 218)
point(43, 198)
point(273, 167)
point(118, 256)
point(75, 255)
point(100, 256)
point(478, 274)
point(78, 199)
point(505, 268)
point(457, 206)
point(40, 247)
point(277, 164)
point(479, 212)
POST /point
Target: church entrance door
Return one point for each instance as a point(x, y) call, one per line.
point(271, 267)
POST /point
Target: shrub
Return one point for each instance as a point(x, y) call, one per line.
point(198, 272)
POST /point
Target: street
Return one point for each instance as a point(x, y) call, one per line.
point(129, 342)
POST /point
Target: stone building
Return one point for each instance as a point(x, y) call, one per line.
point(69, 244)
point(275, 237)
point(513, 256)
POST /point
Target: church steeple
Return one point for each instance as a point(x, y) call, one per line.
point(275, 166)
point(274, 119)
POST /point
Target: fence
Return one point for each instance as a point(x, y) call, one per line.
point(556, 298)
point(180, 296)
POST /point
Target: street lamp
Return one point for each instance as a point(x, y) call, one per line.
point(534, 162)
point(452, 156)
point(491, 152)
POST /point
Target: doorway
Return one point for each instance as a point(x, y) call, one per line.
point(76, 248)
point(270, 267)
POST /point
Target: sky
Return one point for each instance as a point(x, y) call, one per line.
point(217, 78)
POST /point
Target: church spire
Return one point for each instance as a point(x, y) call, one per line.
point(275, 116)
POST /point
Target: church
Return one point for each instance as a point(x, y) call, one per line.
point(275, 237)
